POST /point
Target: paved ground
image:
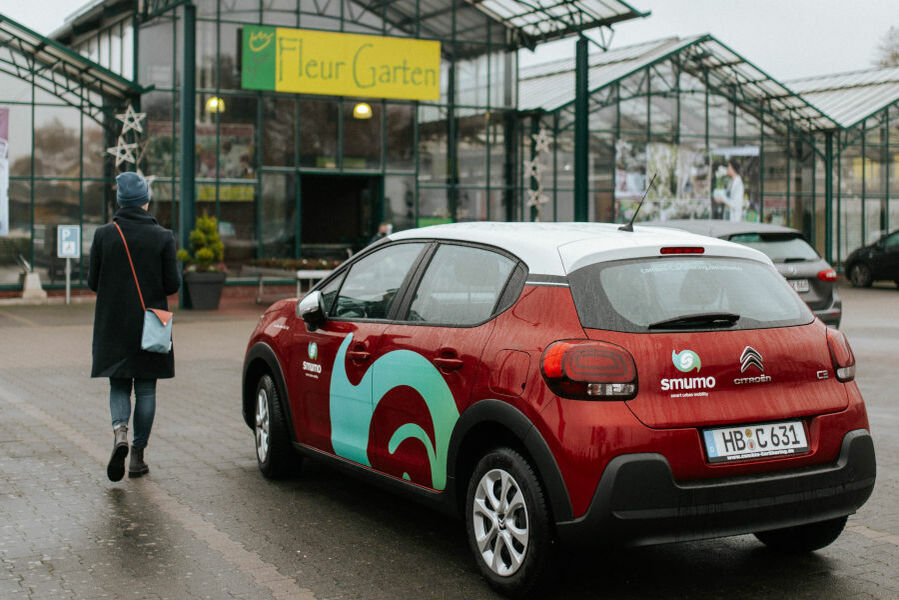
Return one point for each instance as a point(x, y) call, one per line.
point(205, 524)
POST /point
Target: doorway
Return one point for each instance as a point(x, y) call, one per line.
point(339, 213)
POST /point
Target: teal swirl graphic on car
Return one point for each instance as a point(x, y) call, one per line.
point(352, 407)
point(686, 360)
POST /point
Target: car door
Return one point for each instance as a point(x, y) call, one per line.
point(430, 359)
point(330, 366)
point(885, 261)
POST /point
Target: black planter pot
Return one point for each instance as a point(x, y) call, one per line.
point(202, 291)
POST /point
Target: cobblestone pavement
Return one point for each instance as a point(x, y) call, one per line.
point(205, 524)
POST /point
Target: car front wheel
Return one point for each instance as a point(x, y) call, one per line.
point(274, 454)
point(860, 275)
point(508, 523)
point(803, 538)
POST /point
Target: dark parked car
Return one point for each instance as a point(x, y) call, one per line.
point(878, 261)
point(809, 274)
point(568, 383)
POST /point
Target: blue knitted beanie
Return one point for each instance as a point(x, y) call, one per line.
point(132, 189)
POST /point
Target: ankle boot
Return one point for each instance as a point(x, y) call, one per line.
point(137, 466)
point(115, 470)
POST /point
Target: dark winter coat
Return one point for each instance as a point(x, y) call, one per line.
point(118, 317)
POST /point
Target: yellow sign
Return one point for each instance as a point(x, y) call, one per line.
point(339, 64)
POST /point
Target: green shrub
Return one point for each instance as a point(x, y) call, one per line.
point(208, 249)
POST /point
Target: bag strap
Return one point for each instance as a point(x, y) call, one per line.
point(131, 262)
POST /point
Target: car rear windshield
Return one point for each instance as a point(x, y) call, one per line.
point(780, 247)
point(678, 293)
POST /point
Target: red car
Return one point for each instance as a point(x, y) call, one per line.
point(569, 382)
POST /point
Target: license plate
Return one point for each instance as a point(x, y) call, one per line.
point(761, 440)
point(800, 285)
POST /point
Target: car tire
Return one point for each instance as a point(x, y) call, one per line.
point(508, 523)
point(274, 454)
point(860, 275)
point(803, 538)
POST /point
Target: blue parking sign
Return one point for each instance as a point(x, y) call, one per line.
point(68, 241)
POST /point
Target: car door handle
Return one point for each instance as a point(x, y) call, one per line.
point(449, 364)
point(359, 355)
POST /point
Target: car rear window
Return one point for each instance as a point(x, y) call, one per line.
point(780, 247)
point(641, 295)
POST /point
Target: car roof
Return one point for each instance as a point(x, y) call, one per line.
point(560, 248)
point(720, 228)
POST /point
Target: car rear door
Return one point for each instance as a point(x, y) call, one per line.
point(431, 358)
point(330, 367)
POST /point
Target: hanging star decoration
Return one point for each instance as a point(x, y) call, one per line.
point(131, 121)
point(535, 169)
point(123, 151)
point(541, 141)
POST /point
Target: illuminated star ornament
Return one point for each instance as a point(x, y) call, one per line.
point(123, 152)
point(131, 120)
point(541, 141)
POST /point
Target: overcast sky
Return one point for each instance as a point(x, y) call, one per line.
point(785, 38)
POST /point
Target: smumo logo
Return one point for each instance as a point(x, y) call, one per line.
point(685, 361)
point(312, 350)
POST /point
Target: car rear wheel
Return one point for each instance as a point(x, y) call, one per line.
point(803, 538)
point(273, 452)
point(508, 523)
point(860, 275)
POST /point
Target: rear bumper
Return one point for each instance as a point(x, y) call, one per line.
point(638, 502)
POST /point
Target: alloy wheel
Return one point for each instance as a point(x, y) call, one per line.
point(500, 519)
point(263, 424)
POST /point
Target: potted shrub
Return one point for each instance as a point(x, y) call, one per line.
point(204, 271)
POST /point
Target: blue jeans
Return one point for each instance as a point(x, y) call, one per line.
point(144, 406)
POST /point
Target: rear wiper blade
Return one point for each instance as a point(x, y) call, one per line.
point(720, 319)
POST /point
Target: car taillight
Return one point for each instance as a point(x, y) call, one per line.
point(589, 370)
point(841, 354)
point(827, 275)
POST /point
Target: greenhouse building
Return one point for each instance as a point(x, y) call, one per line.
point(302, 125)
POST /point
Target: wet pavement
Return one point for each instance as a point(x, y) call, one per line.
point(205, 524)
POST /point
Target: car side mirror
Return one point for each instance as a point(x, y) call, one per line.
point(311, 310)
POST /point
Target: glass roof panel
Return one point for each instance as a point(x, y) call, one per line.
point(56, 69)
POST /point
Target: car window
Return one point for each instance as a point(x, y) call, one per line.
point(329, 292)
point(370, 287)
point(780, 247)
point(891, 241)
point(631, 295)
point(461, 286)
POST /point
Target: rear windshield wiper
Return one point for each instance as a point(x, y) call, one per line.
point(720, 319)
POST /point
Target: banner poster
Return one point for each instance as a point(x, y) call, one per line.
point(681, 188)
point(4, 172)
point(736, 190)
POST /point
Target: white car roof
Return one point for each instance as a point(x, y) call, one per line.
point(560, 248)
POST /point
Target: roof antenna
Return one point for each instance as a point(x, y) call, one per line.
point(630, 225)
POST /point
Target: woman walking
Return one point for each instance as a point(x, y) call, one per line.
point(119, 317)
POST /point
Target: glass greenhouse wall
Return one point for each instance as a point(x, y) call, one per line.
point(271, 166)
point(867, 193)
point(683, 126)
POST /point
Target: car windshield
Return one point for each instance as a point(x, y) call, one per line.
point(779, 247)
point(699, 293)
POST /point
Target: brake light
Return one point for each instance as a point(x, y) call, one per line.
point(682, 250)
point(827, 275)
point(589, 370)
point(841, 354)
